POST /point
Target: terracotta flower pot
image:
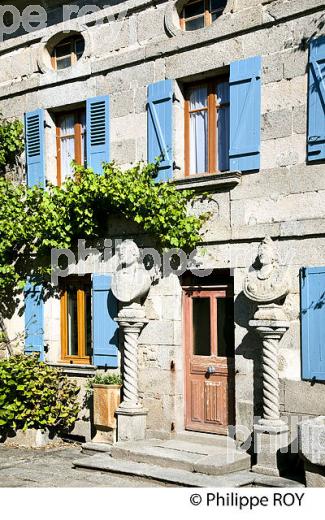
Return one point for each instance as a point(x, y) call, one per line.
point(106, 402)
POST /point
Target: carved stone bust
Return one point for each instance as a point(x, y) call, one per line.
point(131, 281)
point(269, 283)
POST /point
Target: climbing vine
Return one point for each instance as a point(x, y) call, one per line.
point(34, 220)
point(11, 142)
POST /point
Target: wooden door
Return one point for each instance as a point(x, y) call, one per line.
point(209, 359)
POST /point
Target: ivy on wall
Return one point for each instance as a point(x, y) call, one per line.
point(33, 220)
point(11, 142)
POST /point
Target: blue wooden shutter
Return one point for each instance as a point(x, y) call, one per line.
point(245, 114)
point(105, 329)
point(316, 100)
point(160, 127)
point(312, 288)
point(98, 132)
point(35, 153)
point(34, 320)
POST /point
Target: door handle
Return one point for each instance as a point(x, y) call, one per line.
point(211, 370)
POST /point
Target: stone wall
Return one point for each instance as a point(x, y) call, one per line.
point(285, 199)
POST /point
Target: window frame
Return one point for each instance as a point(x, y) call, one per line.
point(212, 108)
point(72, 41)
point(213, 294)
point(82, 285)
point(77, 135)
point(207, 14)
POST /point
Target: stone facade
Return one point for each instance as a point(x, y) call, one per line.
point(136, 45)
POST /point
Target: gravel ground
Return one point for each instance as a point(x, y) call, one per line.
point(52, 467)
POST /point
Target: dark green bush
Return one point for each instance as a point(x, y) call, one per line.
point(35, 395)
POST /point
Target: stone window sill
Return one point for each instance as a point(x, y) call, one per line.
point(74, 369)
point(209, 182)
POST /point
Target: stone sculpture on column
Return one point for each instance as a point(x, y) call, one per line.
point(268, 286)
point(130, 285)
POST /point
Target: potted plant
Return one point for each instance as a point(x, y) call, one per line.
point(106, 390)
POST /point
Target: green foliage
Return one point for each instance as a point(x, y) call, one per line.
point(105, 379)
point(34, 395)
point(33, 220)
point(11, 141)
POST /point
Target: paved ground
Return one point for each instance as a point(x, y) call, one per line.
point(20, 467)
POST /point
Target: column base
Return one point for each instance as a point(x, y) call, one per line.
point(131, 424)
point(104, 435)
point(270, 446)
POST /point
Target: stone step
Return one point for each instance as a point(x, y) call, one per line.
point(178, 454)
point(207, 439)
point(90, 448)
point(104, 462)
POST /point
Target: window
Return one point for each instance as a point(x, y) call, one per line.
point(70, 141)
point(67, 52)
point(207, 127)
point(201, 13)
point(76, 320)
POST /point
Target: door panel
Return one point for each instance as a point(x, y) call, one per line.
point(209, 344)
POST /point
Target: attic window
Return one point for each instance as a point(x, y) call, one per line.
point(200, 13)
point(67, 52)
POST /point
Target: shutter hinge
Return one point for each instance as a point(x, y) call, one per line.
point(175, 98)
point(175, 166)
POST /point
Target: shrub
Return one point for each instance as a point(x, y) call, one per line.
point(35, 395)
point(105, 379)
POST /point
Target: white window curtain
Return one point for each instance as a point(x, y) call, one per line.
point(199, 131)
point(67, 145)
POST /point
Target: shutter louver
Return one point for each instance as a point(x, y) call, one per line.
point(245, 114)
point(316, 100)
point(34, 320)
point(312, 292)
point(97, 128)
point(105, 328)
point(35, 154)
point(160, 127)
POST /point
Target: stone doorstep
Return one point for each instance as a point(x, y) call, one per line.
point(193, 457)
point(104, 462)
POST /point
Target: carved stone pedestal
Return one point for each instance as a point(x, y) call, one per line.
point(271, 432)
point(270, 446)
point(131, 416)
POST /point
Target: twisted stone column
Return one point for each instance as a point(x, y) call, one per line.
point(271, 334)
point(271, 432)
point(131, 329)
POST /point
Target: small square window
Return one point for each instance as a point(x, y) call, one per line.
point(201, 13)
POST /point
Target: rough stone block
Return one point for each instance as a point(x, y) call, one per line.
point(150, 24)
point(303, 397)
point(276, 124)
point(272, 68)
point(131, 427)
point(272, 40)
point(299, 119)
point(284, 151)
point(304, 178)
point(124, 152)
point(128, 127)
point(311, 438)
point(295, 63)
point(122, 103)
point(157, 329)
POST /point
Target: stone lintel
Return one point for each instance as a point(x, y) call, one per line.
point(210, 182)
